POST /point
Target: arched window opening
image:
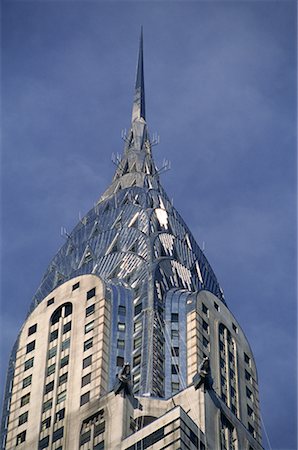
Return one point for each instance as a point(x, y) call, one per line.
point(63, 311)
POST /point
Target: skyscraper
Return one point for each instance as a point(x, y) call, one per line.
point(129, 343)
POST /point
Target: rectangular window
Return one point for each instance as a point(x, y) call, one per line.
point(64, 361)
point(248, 393)
point(52, 352)
point(247, 375)
point(204, 309)
point(138, 309)
point(100, 428)
point(53, 335)
point(58, 434)
point(60, 415)
point(89, 327)
point(85, 398)
point(87, 361)
point(205, 342)
point(61, 397)
point(137, 326)
point(51, 369)
point(121, 326)
point(28, 364)
point(32, 329)
point(27, 381)
point(251, 429)
point(88, 344)
point(205, 326)
point(174, 317)
point(23, 418)
point(21, 437)
point(120, 361)
point(63, 378)
point(175, 351)
point(47, 405)
point(86, 380)
point(136, 360)
point(216, 306)
point(249, 411)
point(120, 343)
point(174, 334)
point(121, 310)
point(76, 286)
point(43, 443)
point(25, 399)
point(49, 387)
point(90, 310)
point(67, 327)
point(247, 359)
point(174, 369)
point(85, 437)
point(46, 423)
point(65, 344)
point(50, 301)
point(175, 387)
point(30, 347)
point(90, 293)
point(99, 446)
point(137, 342)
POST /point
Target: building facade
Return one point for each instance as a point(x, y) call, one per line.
point(130, 286)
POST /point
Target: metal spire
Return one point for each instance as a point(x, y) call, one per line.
point(138, 110)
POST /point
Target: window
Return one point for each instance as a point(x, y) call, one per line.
point(89, 327)
point(100, 428)
point(47, 405)
point(174, 334)
point(60, 415)
point(174, 317)
point(233, 392)
point(175, 351)
point(68, 309)
point(51, 369)
point(32, 329)
point(67, 327)
point(216, 306)
point(90, 310)
point(136, 360)
point(23, 418)
point(63, 378)
point(205, 342)
point(43, 443)
point(137, 342)
point(86, 380)
point(235, 328)
point(247, 375)
point(137, 326)
point(30, 347)
point(175, 387)
point(58, 434)
point(204, 309)
point(46, 423)
point(249, 411)
point(251, 429)
point(64, 361)
point(21, 437)
point(25, 399)
point(120, 343)
point(99, 446)
point(121, 326)
point(85, 437)
point(121, 310)
point(28, 364)
point(119, 361)
point(49, 387)
point(27, 381)
point(174, 369)
point(65, 344)
point(247, 359)
point(87, 361)
point(90, 293)
point(138, 309)
point(52, 352)
point(50, 302)
point(61, 397)
point(248, 393)
point(53, 335)
point(205, 326)
point(76, 286)
point(136, 378)
point(85, 398)
point(88, 344)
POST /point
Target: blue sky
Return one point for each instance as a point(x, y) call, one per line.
point(221, 93)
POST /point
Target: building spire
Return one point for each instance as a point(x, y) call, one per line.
point(138, 110)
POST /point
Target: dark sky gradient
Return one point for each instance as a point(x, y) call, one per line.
point(221, 92)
